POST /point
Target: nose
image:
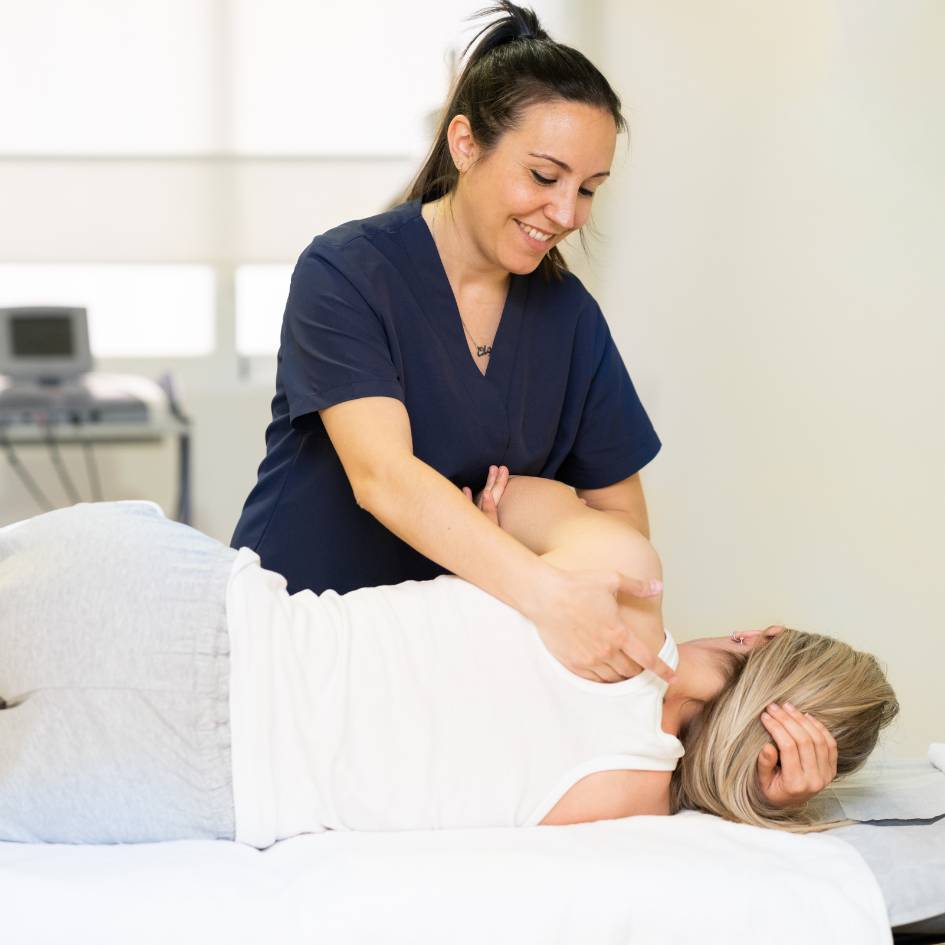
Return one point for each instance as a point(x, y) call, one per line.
point(562, 210)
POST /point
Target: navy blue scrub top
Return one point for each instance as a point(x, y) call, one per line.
point(371, 313)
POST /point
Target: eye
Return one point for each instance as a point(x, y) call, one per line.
point(547, 181)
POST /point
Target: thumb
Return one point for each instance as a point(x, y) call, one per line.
point(767, 760)
point(637, 588)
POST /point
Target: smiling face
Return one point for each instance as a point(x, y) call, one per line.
point(536, 186)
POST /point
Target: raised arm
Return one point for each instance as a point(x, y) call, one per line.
point(550, 518)
point(564, 530)
point(577, 613)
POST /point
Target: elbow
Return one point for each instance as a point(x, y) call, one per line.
point(634, 555)
point(364, 490)
point(378, 482)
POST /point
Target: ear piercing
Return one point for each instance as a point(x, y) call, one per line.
point(738, 638)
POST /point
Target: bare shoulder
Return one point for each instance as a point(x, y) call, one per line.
point(607, 795)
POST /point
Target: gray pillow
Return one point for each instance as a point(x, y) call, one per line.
point(890, 790)
point(908, 859)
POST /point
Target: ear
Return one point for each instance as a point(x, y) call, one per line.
point(756, 637)
point(462, 144)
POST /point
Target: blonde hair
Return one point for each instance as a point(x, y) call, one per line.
point(844, 689)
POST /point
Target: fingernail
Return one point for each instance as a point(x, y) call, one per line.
point(656, 587)
point(789, 707)
point(765, 717)
point(774, 707)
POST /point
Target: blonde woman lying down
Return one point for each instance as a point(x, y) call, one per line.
point(159, 685)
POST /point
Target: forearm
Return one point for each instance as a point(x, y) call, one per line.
point(425, 510)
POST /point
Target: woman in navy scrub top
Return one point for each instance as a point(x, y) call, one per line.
point(427, 347)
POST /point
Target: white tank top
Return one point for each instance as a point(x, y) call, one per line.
point(422, 705)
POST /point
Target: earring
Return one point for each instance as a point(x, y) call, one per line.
point(736, 638)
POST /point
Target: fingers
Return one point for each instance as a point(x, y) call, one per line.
point(622, 666)
point(804, 751)
point(629, 659)
point(788, 750)
point(831, 746)
point(488, 499)
point(502, 480)
point(663, 670)
point(767, 762)
point(820, 746)
point(496, 482)
point(639, 653)
point(491, 478)
point(819, 775)
point(638, 588)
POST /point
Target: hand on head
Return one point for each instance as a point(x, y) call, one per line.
point(802, 759)
point(800, 710)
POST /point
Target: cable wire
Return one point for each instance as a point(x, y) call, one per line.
point(61, 471)
point(32, 487)
point(166, 383)
point(91, 464)
point(91, 467)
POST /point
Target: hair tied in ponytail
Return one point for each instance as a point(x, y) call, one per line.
point(514, 23)
point(511, 64)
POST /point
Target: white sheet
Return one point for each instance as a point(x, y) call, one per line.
point(685, 879)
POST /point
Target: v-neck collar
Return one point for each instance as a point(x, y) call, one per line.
point(439, 302)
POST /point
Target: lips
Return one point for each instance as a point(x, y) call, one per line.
point(537, 242)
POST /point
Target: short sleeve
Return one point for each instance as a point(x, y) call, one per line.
point(615, 437)
point(334, 346)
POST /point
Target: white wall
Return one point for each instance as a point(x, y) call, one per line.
point(773, 271)
point(222, 212)
point(769, 265)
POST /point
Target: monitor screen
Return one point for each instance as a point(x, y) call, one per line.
point(45, 344)
point(45, 337)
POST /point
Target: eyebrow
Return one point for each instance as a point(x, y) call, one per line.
point(564, 166)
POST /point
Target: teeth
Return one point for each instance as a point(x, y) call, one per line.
point(535, 234)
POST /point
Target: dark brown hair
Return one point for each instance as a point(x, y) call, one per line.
point(514, 65)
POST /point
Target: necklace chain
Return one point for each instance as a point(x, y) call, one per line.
point(481, 350)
